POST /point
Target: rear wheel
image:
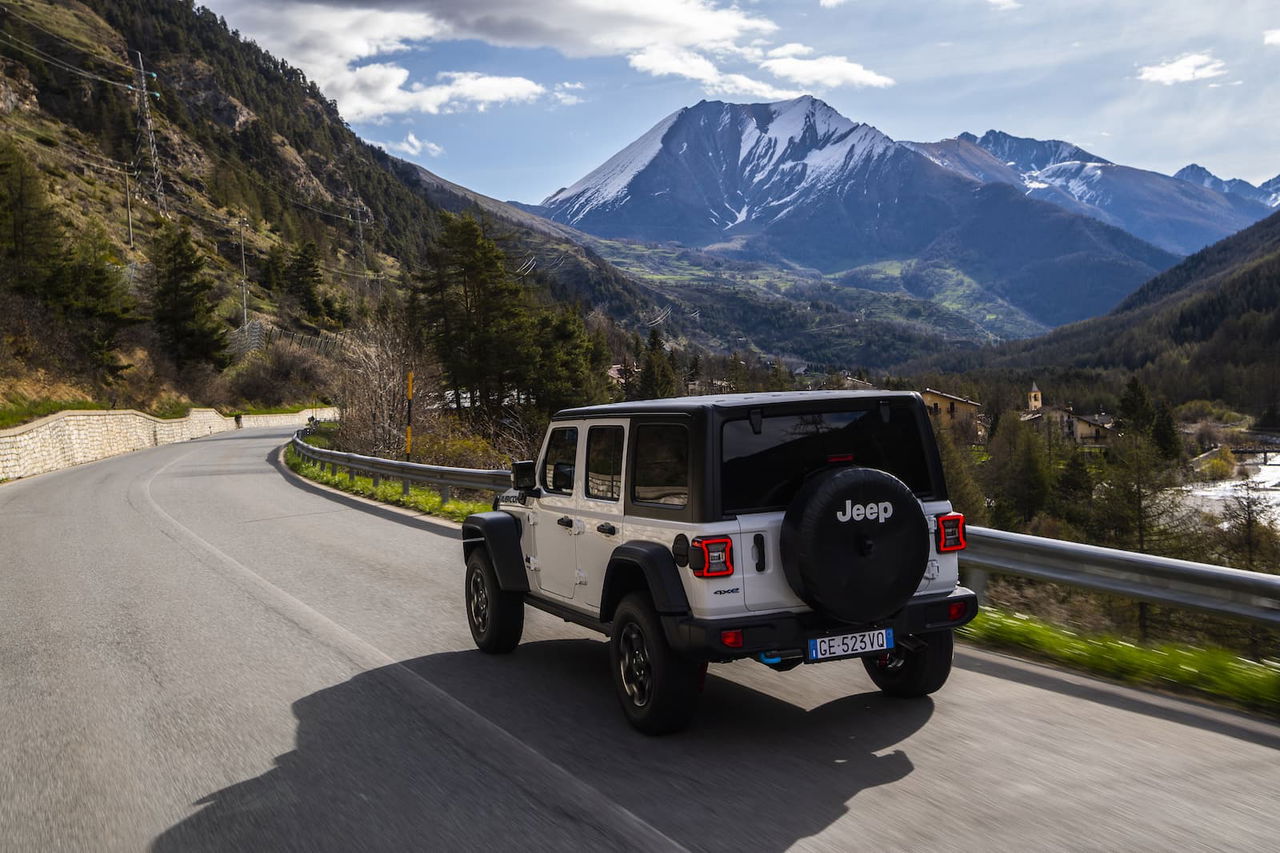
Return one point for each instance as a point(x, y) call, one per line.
point(910, 672)
point(496, 618)
point(656, 686)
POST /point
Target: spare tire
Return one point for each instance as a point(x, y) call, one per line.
point(855, 544)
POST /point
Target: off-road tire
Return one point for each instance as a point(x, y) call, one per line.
point(495, 617)
point(910, 673)
point(857, 570)
point(656, 686)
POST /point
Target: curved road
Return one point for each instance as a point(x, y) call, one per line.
point(200, 652)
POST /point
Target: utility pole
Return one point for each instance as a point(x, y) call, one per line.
point(128, 204)
point(144, 111)
point(408, 426)
point(244, 277)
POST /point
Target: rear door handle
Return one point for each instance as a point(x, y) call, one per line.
point(607, 529)
point(565, 521)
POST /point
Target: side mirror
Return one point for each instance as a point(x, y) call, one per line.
point(524, 476)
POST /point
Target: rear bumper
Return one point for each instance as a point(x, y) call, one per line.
point(785, 635)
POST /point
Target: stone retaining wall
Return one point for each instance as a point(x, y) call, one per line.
point(74, 437)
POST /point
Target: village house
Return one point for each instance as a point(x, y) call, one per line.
point(1082, 430)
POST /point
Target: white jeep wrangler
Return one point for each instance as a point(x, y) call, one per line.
point(792, 528)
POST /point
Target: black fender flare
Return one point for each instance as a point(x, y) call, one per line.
point(499, 534)
point(660, 572)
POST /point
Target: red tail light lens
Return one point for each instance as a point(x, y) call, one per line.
point(951, 533)
point(731, 639)
point(711, 558)
point(957, 610)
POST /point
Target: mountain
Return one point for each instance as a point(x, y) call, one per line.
point(1267, 194)
point(797, 184)
point(1030, 155)
point(1176, 214)
point(1204, 329)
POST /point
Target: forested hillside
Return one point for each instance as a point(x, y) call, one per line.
point(1206, 329)
point(123, 249)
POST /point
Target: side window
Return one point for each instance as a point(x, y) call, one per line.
point(661, 472)
point(557, 465)
point(604, 462)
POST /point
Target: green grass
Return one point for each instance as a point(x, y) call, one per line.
point(1214, 673)
point(21, 411)
point(419, 498)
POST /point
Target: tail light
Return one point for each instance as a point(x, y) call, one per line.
point(711, 558)
point(950, 533)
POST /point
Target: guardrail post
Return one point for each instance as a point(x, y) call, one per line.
point(404, 490)
point(976, 580)
point(444, 494)
point(377, 481)
point(351, 474)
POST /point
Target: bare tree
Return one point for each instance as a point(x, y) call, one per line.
point(372, 388)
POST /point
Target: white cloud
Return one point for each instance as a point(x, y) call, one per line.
point(1184, 69)
point(413, 146)
point(1271, 37)
point(831, 4)
point(329, 41)
point(1005, 5)
point(564, 93)
point(791, 49)
point(825, 71)
point(661, 61)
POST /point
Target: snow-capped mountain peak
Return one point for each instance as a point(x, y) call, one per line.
point(1268, 193)
point(747, 162)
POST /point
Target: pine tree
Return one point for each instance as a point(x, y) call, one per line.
point(95, 299)
point(481, 318)
point(1135, 407)
point(1164, 433)
point(30, 233)
point(302, 278)
point(571, 364)
point(182, 308)
point(657, 377)
point(1018, 475)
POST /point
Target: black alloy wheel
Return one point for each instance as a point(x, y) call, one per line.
point(656, 686)
point(495, 617)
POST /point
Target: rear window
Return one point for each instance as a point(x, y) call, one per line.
point(660, 472)
point(765, 470)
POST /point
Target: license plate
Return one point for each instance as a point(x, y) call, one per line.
point(849, 645)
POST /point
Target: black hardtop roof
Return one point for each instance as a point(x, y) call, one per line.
point(689, 405)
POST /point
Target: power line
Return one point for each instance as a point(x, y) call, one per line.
point(65, 40)
point(61, 64)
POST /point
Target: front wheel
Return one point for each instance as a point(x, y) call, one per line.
point(657, 686)
point(909, 672)
point(496, 618)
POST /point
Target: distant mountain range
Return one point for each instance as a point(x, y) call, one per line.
point(797, 184)
point(1267, 193)
point(1180, 214)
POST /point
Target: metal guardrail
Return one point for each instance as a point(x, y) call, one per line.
point(1161, 580)
point(438, 477)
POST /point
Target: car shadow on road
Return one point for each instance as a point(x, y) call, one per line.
point(753, 772)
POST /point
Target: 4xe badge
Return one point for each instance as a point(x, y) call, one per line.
point(869, 511)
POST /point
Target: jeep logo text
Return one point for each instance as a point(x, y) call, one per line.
point(869, 511)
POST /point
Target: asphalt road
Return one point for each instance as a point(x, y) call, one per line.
point(199, 652)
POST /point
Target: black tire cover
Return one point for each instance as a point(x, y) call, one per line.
point(855, 544)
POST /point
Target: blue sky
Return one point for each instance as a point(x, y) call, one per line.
point(517, 98)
